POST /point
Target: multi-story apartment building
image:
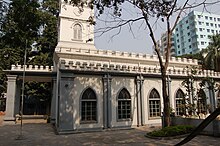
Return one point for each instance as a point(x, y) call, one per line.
point(162, 44)
point(193, 31)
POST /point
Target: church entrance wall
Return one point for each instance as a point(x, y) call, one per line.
point(14, 93)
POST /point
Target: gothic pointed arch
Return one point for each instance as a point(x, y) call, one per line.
point(124, 105)
point(154, 104)
point(88, 106)
point(201, 103)
point(180, 103)
point(77, 31)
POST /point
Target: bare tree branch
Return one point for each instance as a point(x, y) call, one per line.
point(120, 24)
point(204, 3)
point(153, 39)
point(179, 14)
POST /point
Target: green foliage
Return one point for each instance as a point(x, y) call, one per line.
point(196, 93)
point(188, 84)
point(38, 91)
point(172, 131)
point(3, 10)
point(212, 58)
point(27, 24)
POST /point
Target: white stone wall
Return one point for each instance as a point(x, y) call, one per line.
point(81, 83)
point(118, 83)
point(149, 84)
point(68, 17)
point(174, 86)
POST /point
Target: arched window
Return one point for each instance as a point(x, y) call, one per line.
point(180, 103)
point(124, 104)
point(201, 103)
point(154, 104)
point(77, 32)
point(88, 106)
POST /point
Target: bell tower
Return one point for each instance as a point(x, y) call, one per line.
point(74, 30)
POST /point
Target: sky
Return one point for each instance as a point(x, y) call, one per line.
point(137, 40)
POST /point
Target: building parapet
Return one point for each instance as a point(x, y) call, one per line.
point(128, 68)
point(32, 68)
point(123, 55)
point(114, 67)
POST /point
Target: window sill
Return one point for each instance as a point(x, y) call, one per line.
point(76, 40)
point(88, 122)
point(124, 120)
point(154, 118)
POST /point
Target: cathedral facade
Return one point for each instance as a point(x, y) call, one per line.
point(100, 89)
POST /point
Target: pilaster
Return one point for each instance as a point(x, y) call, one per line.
point(18, 97)
point(53, 101)
point(140, 102)
point(10, 100)
point(107, 102)
point(66, 101)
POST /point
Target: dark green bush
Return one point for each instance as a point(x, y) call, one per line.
point(172, 131)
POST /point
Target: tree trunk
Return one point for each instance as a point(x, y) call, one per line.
point(166, 100)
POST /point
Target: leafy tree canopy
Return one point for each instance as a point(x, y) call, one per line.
point(212, 53)
point(31, 25)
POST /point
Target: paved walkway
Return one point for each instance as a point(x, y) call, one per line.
point(42, 134)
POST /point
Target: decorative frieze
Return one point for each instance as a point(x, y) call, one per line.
point(129, 68)
point(123, 55)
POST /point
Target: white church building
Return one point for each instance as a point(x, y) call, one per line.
point(100, 89)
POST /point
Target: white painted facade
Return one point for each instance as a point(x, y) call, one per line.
point(79, 67)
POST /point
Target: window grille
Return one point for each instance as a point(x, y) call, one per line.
point(89, 106)
point(180, 103)
point(124, 105)
point(77, 32)
point(154, 104)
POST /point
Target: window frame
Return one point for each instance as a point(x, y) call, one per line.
point(125, 100)
point(155, 100)
point(204, 102)
point(177, 98)
point(77, 32)
point(88, 100)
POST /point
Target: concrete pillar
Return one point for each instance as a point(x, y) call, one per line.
point(140, 103)
point(53, 101)
point(107, 102)
point(57, 98)
point(142, 100)
point(212, 97)
point(66, 110)
point(169, 88)
point(10, 100)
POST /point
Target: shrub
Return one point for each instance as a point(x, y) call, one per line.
point(172, 131)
